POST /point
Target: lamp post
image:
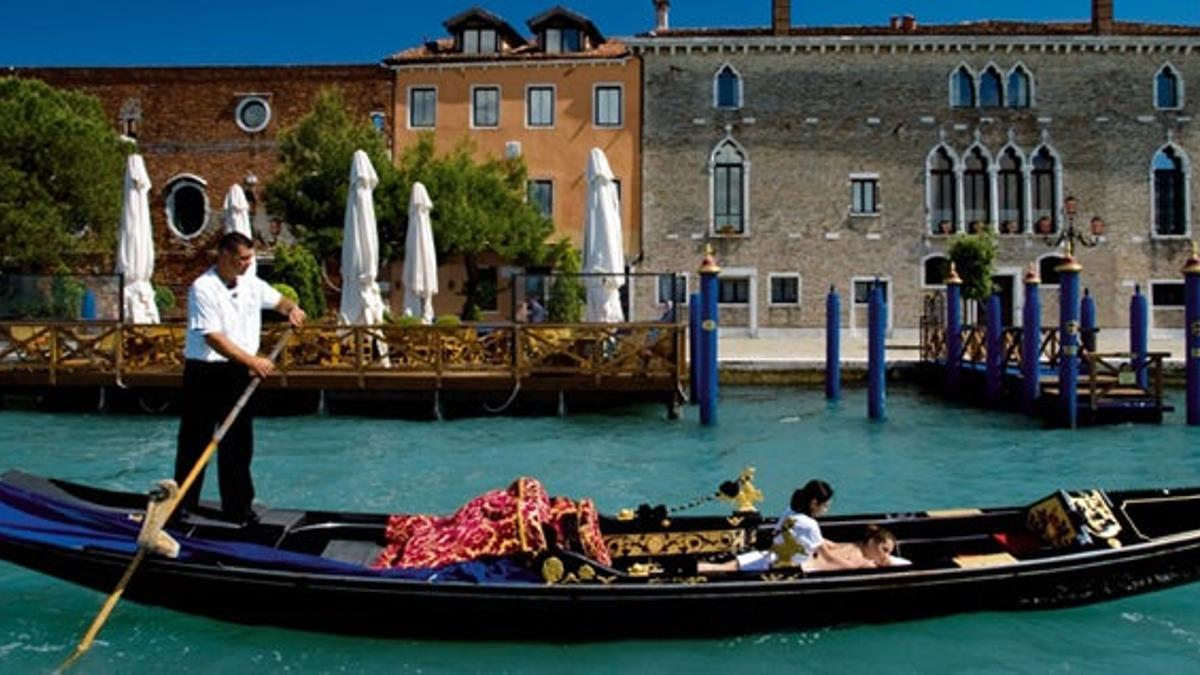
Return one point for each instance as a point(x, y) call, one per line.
point(1070, 235)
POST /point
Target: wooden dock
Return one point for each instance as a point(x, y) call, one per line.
point(1108, 390)
point(642, 361)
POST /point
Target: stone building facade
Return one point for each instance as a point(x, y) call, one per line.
point(203, 129)
point(819, 157)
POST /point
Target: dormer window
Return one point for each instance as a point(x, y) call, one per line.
point(478, 41)
point(562, 40)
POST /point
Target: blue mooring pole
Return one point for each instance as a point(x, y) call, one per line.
point(1191, 276)
point(833, 345)
point(995, 350)
point(1068, 336)
point(1139, 335)
point(694, 348)
point(1087, 325)
point(1031, 343)
point(708, 339)
point(954, 346)
point(876, 367)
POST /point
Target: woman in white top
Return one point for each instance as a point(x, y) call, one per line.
point(797, 535)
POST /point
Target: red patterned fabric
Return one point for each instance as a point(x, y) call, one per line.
point(498, 523)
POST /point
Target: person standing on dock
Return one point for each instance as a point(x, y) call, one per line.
point(224, 324)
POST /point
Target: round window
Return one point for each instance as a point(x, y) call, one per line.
point(187, 208)
point(253, 114)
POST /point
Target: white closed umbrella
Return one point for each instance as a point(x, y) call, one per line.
point(135, 245)
point(420, 258)
point(603, 249)
point(237, 218)
point(361, 302)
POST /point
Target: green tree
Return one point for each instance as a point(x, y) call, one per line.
point(478, 207)
point(61, 166)
point(309, 188)
point(973, 256)
point(296, 267)
point(568, 295)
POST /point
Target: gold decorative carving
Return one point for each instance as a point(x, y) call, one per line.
point(674, 543)
point(552, 570)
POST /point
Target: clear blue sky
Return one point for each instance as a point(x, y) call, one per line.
point(168, 32)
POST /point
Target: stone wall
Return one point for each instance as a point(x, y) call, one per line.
point(815, 112)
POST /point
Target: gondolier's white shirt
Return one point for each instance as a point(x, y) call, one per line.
point(234, 312)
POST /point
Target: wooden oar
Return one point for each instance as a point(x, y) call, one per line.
point(106, 609)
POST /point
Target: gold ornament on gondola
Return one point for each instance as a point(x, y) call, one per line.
point(748, 495)
point(552, 570)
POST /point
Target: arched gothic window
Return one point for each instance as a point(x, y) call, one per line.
point(962, 88)
point(1168, 88)
point(1020, 88)
point(1170, 193)
point(977, 198)
point(943, 197)
point(991, 88)
point(729, 189)
point(934, 270)
point(1010, 190)
point(728, 88)
point(1044, 185)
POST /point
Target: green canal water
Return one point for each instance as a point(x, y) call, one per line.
point(927, 455)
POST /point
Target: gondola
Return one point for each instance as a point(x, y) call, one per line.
point(312, 569)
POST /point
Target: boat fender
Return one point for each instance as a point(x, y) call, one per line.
point(158, 509)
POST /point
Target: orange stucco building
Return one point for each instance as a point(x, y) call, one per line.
point(550, 98)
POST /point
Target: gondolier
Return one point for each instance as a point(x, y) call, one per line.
point(221, 352)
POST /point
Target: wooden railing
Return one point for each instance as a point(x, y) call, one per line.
point(1114, 375)
point(518, 351)
point(974, 344)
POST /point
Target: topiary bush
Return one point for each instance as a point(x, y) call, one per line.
point(448, 320)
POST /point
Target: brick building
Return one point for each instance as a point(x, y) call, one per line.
point(203, 129)
point(812, 157)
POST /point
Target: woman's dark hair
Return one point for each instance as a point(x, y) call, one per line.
point(802, 499)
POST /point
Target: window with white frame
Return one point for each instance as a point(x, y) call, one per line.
point(991, 88)
point(785, 289)
point(728, 88)
point(539, 106)
point(673, 288)
point(559, 40)
point(1167, 304)
point(1048, 269)
point(1010, 192)
point(861, 299)
point(977, 195)
point(733, 290)
point(1044, 185)
point(934, 270)
point(962, 88)
point(608, 106)
point(864, 194)
point(728, 176)
point(485, 107)
point(422, 107)
point(943, 194)
point(1020, 88)
point(479, 41)
point(541, 195)
point(253, 114)
point(1164, 294)
point(1168, 88)
point(1170, 193)
point(187, 206)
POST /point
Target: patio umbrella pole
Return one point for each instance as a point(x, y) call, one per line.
point(106, 609)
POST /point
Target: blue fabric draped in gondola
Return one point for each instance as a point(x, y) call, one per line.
point(37, 519)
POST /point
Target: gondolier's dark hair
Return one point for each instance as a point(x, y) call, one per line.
point(802, 499)
point(232, 241)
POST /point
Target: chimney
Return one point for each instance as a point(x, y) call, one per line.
point(781, 16)
point(661, 9)
point(894, 24)
point(1102, 16)
point(908, 23)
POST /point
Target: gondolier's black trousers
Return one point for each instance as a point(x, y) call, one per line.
point(210, 390)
